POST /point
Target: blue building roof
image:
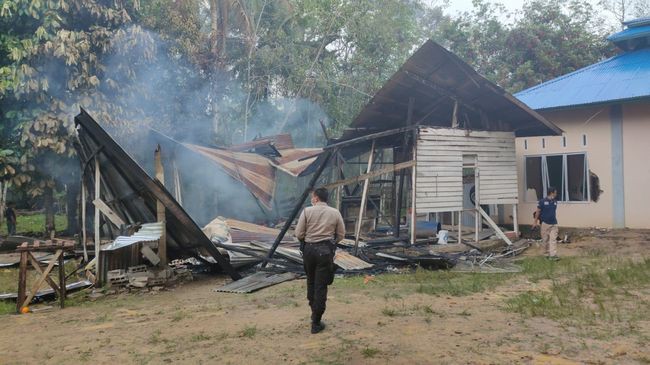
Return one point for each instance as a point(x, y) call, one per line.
point(635, 36)
point(621, 78)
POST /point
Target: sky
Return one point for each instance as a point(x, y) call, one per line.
point(458, 6)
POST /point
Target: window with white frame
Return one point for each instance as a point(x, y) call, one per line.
point(568, 173)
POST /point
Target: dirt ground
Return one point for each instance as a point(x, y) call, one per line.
point(367, 323)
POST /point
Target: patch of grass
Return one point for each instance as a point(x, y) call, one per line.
point(370, 352)
point(594, 293)
point(428, 282)
point(427, 309)
point(84, 356)
point(460, 284)
point(103, 318)
point(221, 336)
point(643, 359)
point(155, 338)
point(179, 315)
point(201, 336)
point(541, 268)
point(392, 295)
point(34, 223)
point(389, 312)
point(7, 307)
point(249, 332)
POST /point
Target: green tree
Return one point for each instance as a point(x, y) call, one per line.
point(548, 39)
point(53, 59)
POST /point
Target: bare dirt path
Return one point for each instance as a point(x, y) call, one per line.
point(367, 324)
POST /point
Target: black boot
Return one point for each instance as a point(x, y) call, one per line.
point(317, 327)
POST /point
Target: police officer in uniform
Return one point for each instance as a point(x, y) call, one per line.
point(319, 228)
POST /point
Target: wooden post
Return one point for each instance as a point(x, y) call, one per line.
point(22, 281)
point(477, 197)
point(336, 174)
point(460, 226)
point(97, 227)
point(160, 209)
point(61, 281)
point(84, 233)
point(178, 193)
point(414, 174)
point(364, 197)
point(400, 189)
point(515, 221)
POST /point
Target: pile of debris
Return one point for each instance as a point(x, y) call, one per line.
point(374, 256)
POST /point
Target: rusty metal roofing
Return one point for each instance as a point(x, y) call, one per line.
point(133, 195)
point(435, 78)
point(253, 170)
point(258, 172)
point(294, 161)
point(280, 142)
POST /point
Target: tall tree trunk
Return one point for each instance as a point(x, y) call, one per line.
point(3, 199)
point(219, 10)
point(215, 43)
point(48, 204)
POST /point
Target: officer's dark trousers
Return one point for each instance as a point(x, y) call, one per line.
point(318, 260)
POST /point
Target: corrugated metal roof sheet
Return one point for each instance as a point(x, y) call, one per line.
point(148, 232)
point(630, 34)
point(620, 78)
point(253, 170)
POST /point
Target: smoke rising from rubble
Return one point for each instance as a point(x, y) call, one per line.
point(170, 96)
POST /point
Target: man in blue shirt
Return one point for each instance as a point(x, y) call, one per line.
point(545, 215)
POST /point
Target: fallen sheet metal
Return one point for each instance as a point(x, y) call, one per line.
point(49, 291)
point(13, 259)
point(255, 282)
point(148, 232)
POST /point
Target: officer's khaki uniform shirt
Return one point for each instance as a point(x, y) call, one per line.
point(320, 222)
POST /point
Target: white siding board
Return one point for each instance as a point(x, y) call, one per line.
point(439, 173)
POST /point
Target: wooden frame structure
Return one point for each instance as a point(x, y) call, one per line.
point(57, 247)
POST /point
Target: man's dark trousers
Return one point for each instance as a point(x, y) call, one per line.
point(318, 260)
point(11, 228)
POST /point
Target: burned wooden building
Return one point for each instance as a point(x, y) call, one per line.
point(436, 142)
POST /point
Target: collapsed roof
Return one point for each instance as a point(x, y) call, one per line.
point(255, 164)
point(132, 194)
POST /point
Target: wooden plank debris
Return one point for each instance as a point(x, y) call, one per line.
point(255, 282)
point(346, 261)
point(108, 212)
point(379, 172)
point(494, 226)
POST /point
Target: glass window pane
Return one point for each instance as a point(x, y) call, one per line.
point(555, 172)
point(577, 179)
point(534, 186)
